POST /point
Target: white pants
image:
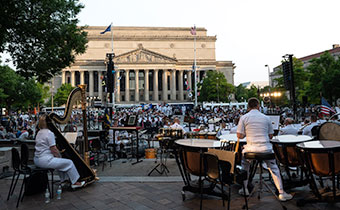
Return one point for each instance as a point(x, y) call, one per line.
point(65, 167)
point(273, 169)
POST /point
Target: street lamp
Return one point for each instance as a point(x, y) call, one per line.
point(268, 74)
point(218, 92)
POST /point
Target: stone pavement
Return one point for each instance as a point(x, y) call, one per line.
point(143, 195)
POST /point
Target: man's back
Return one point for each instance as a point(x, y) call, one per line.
point(256, 126)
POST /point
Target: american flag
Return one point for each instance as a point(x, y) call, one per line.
point(325, 107)
point(193, 30)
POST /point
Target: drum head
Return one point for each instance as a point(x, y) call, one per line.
point(329, 131)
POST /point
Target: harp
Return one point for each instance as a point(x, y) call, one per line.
point(85, 172)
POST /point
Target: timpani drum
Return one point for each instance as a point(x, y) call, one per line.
point(150, 153)
point(202, 135)
point(211, 135)
point(166, 132)
point(176, 133)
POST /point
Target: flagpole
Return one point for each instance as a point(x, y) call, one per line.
point(195, 72)
point(111, 37)
point(114, 89)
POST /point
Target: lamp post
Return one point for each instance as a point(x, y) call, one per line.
point(218, 92)
point(268, 75)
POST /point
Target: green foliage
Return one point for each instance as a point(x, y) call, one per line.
point(17, 92)
point(324, 78)
point(62, 94)
point(243, 94)
point(215, 87)
point(42, 37)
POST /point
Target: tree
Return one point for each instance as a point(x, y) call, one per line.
point(62, 94)
point(215, 87)
point(253, 91)
point(324, 78)
point(42, 37)
point(241, 93)
point(17, 91)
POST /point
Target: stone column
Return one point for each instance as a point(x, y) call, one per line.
point(155, 85)
point(180, 86)
point(198, 77)
point(91, 83)
point(173, 85)
point(63, 77)
point(73, 78)
point(146, 85)
point(117, 84)
point(100, 87)
point(189, 78)
point(82, 77)
point(165, 85)
point(127, 86)
point(137, 85)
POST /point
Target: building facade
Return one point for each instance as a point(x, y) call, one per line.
point(152, 64)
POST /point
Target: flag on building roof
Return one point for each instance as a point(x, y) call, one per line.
point(107, 29)
point(193, 30)
point(326, 108)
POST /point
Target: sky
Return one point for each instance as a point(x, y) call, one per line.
point(250, 33)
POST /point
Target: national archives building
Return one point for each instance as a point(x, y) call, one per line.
point(152, 64)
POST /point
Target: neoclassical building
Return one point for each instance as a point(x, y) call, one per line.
point(152, 64)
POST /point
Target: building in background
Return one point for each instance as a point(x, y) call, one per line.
point(335, 51)
point(152, 64)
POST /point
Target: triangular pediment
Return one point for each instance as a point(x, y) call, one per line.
point(143, 56)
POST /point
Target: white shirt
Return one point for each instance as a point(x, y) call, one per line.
point(256, 126)
point(24, 135)
point(177, 126)
point(308, 129)
point(289, 129)
point(233, 129)
point(43, 141)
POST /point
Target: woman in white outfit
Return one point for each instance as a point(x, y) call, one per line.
point(47, 155)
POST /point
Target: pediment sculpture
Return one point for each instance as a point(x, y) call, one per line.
point(143, 56)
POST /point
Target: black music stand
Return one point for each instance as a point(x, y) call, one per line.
point(162, 164)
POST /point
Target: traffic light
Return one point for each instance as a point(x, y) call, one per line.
point(109, 74)
point(286, 75)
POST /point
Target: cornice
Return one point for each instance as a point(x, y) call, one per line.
point(143, 28)
point(149, 38)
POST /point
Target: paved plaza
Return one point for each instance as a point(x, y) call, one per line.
point(133, 190)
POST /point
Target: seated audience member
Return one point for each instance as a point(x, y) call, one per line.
point(289, 128)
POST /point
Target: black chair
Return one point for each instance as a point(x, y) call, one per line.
point(32, 168)
point(213, 174)
point(260, 157)
point(219, 172)
point(16, 164)
point(96, 149)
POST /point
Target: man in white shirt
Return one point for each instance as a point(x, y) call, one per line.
point(176, 125)
point(258, 130)
point(308, 129)
point(289, 128)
